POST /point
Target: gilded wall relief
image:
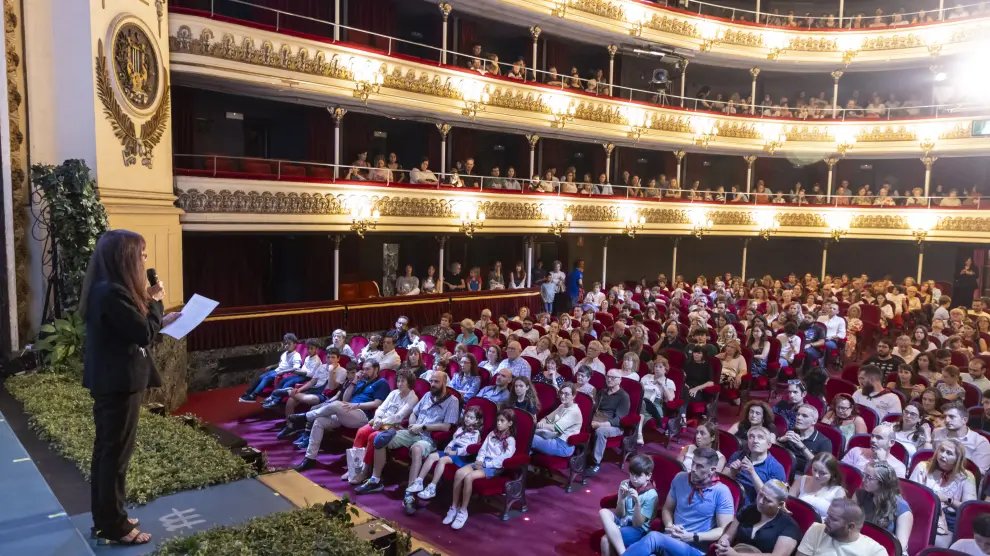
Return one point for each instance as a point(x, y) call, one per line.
point(225, 201)
point(132, 84)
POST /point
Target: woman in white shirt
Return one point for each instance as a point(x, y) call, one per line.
point(398, 405)
point(657, 390)
point(553, 430)
point(492, 358)
point(373, 350)
point(947, 476)
point(733, 365)
point(822, 485)
point(566, 353)
point(912, 431)
point(706, 436)
point(540, 351)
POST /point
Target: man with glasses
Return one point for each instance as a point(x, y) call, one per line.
point(881, 441)
point(498, 393)
point(872, 393)
point(613, 404)
point(977, 446)
point(514, 363)
point(803, 440)
point(697, 510)
point(884, 359)
point(840, 534)
point(399, 333)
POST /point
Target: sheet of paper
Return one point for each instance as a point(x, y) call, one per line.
point(194, 313)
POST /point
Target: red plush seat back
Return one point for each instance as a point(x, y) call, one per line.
point(728, 444)
point(836, 386)
point(885, 538)
point(964, 520)
point(802, 512)
point(548, 398)
point(852, 478)
point(925, 507)
point(835, 436)
point(869, 415)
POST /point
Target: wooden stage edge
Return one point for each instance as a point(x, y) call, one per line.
point(303, 493)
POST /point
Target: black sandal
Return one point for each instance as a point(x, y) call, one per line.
point(94, 534)
point(100, 541)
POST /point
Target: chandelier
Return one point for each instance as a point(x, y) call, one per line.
point(705, 130)
point(363, 218)
point(838, 223)
point(471, 221)
point(773, 137)
point(368, 79)
point(559, 220)
point(766, 221)
point(700, 222)
point(475, 97)
point(632, 222)
point(921, 223)
point(561, 109)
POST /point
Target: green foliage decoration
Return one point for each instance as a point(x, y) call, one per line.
point(305, 532)
point(75, 219)
point(169, 457)
point(61, 343)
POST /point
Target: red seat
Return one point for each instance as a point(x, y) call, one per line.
point(605, 318)
point(292, 170)
point(964, 518)
point(960, 359)
point(626, 442)
point(598, 381)
point(535, 367)
point(734, 488)
point(511, 482)
point(358, 343)
point(728, 444)
point(608, 361)
point(389, 376)
point(257, 167)
point(973, 396)
point(548, 398)
point(674, 357)
point(838, 386)
point(852, 478)
point(477, 352)
point(885, 538)
point(925, 507)
point(869, 415)
point(576, 463)
point(785, 458)
point(835, 436)
point(850, 373)
point(863, 441)
point(779, 425)
point(320, 172)
point(802, 512)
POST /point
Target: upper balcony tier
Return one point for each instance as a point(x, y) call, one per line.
point(249, 58)
point(732, 37)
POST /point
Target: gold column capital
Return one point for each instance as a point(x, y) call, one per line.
point(444, 129)
point(836, 75)
point(445, 10)
point(609, 147)
point(442, 240)
point(750, 160)
point(337, 113)
point(535, 31)
point(679, 155)
point(831, 161)
point(928, 161)
point(533, 139)
point(754, 72)
point(612, 49)
point(336, 241)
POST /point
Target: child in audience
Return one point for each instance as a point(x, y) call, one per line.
point(467, 434)
point(548, 290)
point(634, 509)
point(290, 360)
point(296, 376)
point(498, 447)
point(950, 386)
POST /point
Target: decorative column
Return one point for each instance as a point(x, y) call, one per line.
point(609, 147)
point(445, 11)
point(444, 129)
point(831, 161)
point(941, 10)
point(612, 49)
point(338, 116)
point(336, 266)
point(534, 32)
point(533, 140)
point(754, 72)
point(757, 11)
point(921, 259)
point(443, 243)
point(745, 249)
point(604, 260)
point(842, 9)
point(750, 162)
point(928, 160)
point(835, 91)
point(680, 157)
point(824, 257)
point(673, 265)
point(530, 243)
point(336, 27)
point(684, 81)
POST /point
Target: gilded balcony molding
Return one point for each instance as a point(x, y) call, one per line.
point(438, 92)
point(725, 38)
point(232, 204)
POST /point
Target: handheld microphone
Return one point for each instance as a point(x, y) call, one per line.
point(152, 277)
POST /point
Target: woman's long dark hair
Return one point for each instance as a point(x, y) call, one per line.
point(880, 507)
point(117, 258)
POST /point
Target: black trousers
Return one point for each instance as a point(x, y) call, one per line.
point(116, 419)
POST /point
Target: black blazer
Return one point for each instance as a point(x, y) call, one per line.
point(118, 342)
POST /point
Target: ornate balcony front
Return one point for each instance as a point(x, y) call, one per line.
point(245, 58)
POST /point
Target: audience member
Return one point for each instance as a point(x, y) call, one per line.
point(881, 440)
point(613, 405)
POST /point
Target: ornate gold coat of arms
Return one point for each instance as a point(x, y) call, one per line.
point(136, 69)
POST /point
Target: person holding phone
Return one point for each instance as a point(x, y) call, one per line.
point(123, 317)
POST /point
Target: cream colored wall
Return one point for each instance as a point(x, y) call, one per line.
point(67, 120)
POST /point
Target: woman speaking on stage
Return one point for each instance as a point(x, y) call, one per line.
point(123, 316)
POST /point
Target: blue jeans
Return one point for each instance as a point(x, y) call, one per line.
point(552, 446)
point(659, 543)
point(831, 344)
point(287, 383)
point(267, 380)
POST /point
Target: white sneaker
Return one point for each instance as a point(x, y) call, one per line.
point(451, 514)
point(429, 492)
point(639, 440)
point(462, 516)
point(416, 486)
point(346, 476)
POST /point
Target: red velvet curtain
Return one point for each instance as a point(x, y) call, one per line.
point(356, 135)
point(557, 56)
point(320, 134)
point(234, 270)
point(253, 330)
point(463, 141)
point(555, 155)
point(377, 16)
point(183, 127)
point(468, 37)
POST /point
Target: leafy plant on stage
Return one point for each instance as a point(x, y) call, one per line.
point(341, 510)
point(61, 344)
point(170, 456)
point(305, 532)
point(74, 219)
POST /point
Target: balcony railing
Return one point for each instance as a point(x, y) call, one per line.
point(248, 168)
point(816, 111)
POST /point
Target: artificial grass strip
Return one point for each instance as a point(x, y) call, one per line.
point(305, 532)
point(169, 457)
